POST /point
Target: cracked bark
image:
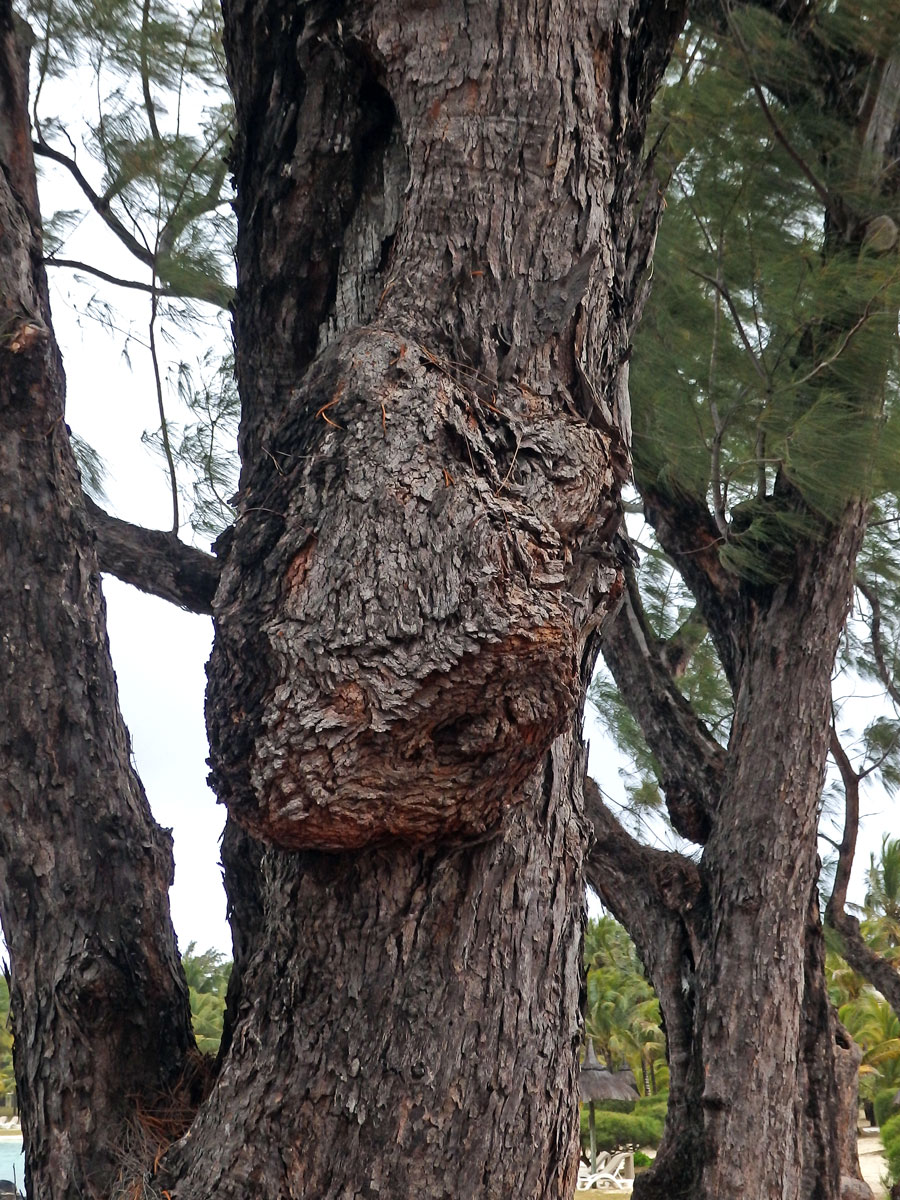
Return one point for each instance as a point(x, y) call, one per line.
point(99, 1004)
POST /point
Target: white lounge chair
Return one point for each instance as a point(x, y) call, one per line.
point(586, 1176)
point(617, 1173)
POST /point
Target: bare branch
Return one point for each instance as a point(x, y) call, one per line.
point(641, 886)
point(691, 762)
point(847, 848)
point(877, 644)
point(75, 265)
point(688, 534)
point(99, 203)
point(723, 291)
point(155, 562)
point(880, 973)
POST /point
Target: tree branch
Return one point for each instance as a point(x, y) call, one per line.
point(847, 848)
point(691, 761)
point(644, 888)
point(863, 959)
point(155, 562)
point(877, 644)
point(854, 948)
point(98, 203)
point(688, 534)
point(75, 265)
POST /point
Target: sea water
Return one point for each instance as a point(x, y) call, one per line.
point(12, 1161)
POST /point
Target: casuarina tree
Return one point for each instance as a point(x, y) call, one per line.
point(764, 442)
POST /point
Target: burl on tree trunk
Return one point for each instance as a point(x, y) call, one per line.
point(442, 245)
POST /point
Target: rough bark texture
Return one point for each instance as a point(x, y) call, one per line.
point(438, 265)
point(416, 504)
point(409, 1022)
point(99, 1004)
point(776, 1101)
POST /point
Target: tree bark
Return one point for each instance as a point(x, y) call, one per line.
point(441, 251)
point(99, 1004)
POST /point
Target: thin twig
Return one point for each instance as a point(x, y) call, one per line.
point(845, 342)
point(726, 296)
point(163, 422)
point(75, 265)
point(149, 106)
point(877, 644)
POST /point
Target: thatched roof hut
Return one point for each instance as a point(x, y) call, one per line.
point(597, 1083)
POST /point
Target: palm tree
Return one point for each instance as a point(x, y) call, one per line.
point(881, 906)
point(622, 1014)
point(874, 1026)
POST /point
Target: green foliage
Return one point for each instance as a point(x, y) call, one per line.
point(890, 1137)
point(764, 351)
point(884, 1105)
point(149, 154)
point(615, 1130)
point(7, 1077)
point(163, 166)
point(207, 977)
point(622, 1012)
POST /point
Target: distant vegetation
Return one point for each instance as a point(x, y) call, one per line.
point(622, 1017)
point(207, 976)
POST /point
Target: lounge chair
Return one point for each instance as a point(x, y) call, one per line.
point(617, 1172)
point(586, 1176)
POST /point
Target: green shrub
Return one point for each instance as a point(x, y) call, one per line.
point(890, 1137)
point(884, 1105)
point(619, 1106)
point(654, 1106)
point(641, 1159)
point(621, 1129)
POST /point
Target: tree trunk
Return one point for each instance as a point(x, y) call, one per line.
point(438, 265)
point(757, 1052)
point(99, 1004)
point(409, 1022)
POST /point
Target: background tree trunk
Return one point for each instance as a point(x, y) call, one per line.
point(762, 1084)
point(99, 1004)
